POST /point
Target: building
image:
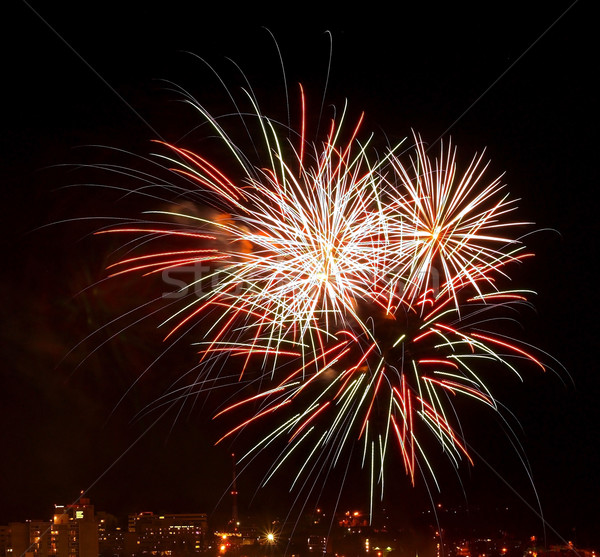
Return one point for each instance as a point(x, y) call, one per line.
point(27, 539)
point(168, 534)
point(4, 540)
point(74, 531)
point(111, 537)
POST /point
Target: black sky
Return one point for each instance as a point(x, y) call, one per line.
point(77, 75)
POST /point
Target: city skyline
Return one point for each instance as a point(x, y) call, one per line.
point(80, 530)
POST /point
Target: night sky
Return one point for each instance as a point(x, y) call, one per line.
point(517, 81)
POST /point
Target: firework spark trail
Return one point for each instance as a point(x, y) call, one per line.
point(307, 244)
point(323, 288)
point(352, 389)
point(451, 223)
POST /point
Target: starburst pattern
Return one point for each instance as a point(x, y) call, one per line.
point(350, 292)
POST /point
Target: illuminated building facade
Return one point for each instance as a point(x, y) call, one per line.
point(168, 534)
point(27, 539)
point(74, 531)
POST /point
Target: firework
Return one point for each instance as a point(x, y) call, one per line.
point(454, 224)
point(349, 291)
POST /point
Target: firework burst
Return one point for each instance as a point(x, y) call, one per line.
point(349, 292)
point(454, 224)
